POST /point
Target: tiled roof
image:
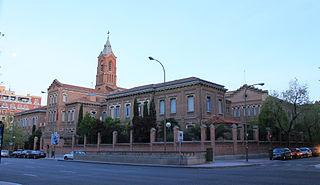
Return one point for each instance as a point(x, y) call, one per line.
point(40, 109)
point(231, 93)
point(162, 85)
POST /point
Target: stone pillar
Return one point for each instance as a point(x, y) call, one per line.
point(114, 139)
point(241, 127)
point(131, 139)
point(203, 136)
point(235, 138)
point(213, 139)
point(85, 142)
point(72, 144)
point(175, 137)
point(41, 143)
point(35, 140)
point(99, 141)
point(152, 137)
point(255, 132)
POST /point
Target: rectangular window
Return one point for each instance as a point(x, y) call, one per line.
point(258, 109)
point(234, 112)
point(190, 103)
point(64, 98)
point(254, 110)
point(139, 108)
point(220, 106)
point(173, 105)
point(128, 111)
point(63, 116)
point(244, 111)
point(118, 112)
point(112, 112)
point(248, 110)
point(73, 115)
point(208, 104)
point(69, 115)
point(161, 107)
point(104, 116)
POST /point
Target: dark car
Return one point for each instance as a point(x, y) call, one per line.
point(315, 151)
point(306, 152)
point(37, 154)
point(16, 154)
point(296, 153)
point(26, 154)
point(281, 153)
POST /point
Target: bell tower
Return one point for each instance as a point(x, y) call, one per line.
point(106, 79)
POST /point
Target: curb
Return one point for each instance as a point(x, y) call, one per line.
point(159, 165)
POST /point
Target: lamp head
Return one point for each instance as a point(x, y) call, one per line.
point(150, 58)
point(168, 124)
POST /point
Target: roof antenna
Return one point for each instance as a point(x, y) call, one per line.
point(244, 74)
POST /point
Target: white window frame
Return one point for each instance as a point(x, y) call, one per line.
point(190, 101)
point(173, 105)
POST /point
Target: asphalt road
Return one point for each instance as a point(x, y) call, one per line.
point(31, 171)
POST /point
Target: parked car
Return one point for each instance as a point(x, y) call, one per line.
point(16, 154)
point(71, 154)
point(315, 151)
point(4, 153)
point(306, 152)
point(281, 153)
point(26, 154)
point(37, 154)
point(296, 153)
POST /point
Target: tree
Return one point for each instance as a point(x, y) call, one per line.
point(15, 135)
point(80, 117)
point(145, 109)
point(273, 116)
point(309, 122)
point(135, 108)
point(169, 131)
point(152, 111)
point(86, 126)
point(294, 97)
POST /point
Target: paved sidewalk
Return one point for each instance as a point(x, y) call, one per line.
point(217, 164)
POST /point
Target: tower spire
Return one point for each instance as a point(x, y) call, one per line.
point(107, 50)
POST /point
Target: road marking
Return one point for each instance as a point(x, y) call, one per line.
point(32, 175)
point(64, 171)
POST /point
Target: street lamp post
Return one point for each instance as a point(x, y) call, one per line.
point(245, 115)
point(164, 117)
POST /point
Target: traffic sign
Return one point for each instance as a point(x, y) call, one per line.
point(180, 135)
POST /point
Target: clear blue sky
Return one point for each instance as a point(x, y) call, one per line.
point(273, 41)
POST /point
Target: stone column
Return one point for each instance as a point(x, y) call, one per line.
point(41, 143)
point(114, 139)
point(175, 137)
point(203, 136)
point(255, 132)
point(241, 127)
point(235, 138)
point(35, 140)
point(152, 137)
point(99, 141)
point(131, 140)
point(213, 139)
point(72, 144)
point(85, 142)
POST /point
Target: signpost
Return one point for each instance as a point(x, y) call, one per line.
point(1, 137)
point(180, 139)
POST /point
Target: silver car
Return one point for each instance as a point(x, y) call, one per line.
point(4, 153)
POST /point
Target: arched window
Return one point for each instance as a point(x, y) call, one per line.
point(110, 66)
point(101, 66)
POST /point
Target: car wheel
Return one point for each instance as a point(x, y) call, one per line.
point(34, 157)
point(65, 158)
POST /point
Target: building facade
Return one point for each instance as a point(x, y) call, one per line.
point(254, 100)
point(28, 119)
point(10, 103)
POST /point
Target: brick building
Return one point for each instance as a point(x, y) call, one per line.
point(255, 99)
point(28, 118)
point(190, 101)
point(10, 103)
